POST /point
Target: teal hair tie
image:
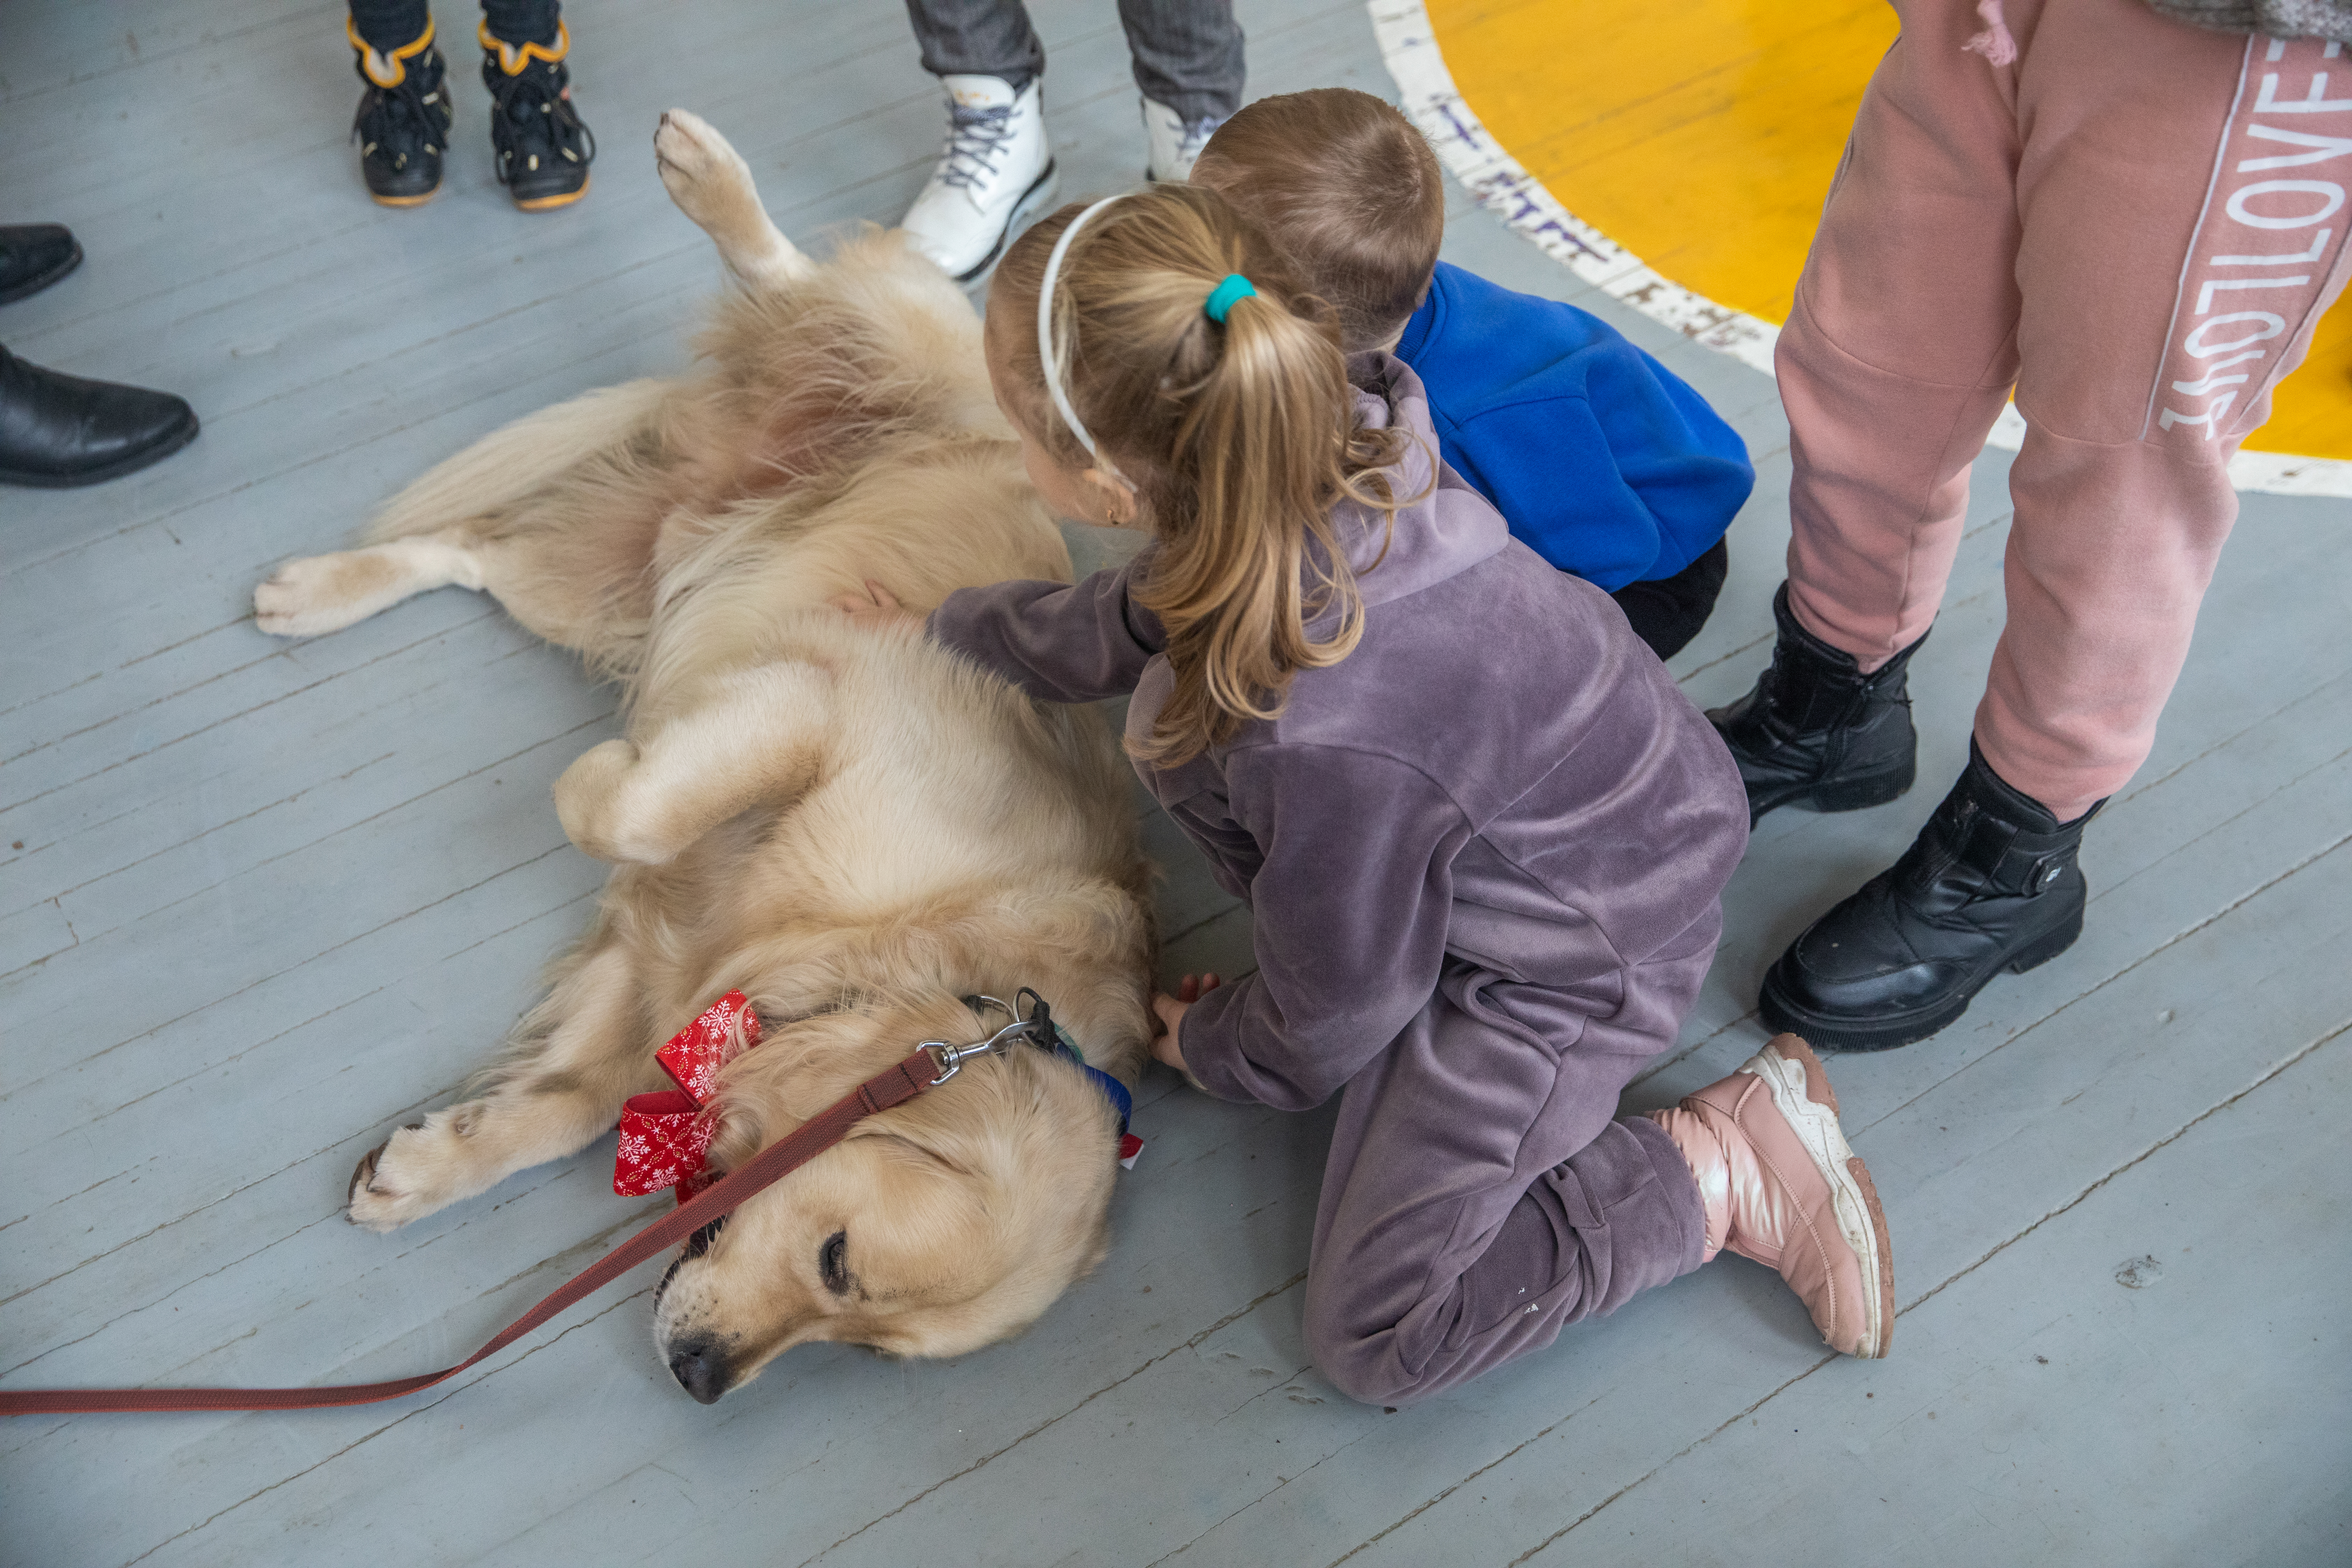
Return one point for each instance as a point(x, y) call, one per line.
point(1221, 298)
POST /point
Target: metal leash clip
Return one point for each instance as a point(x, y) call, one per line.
point(1055, 1041)
point(949, 1059)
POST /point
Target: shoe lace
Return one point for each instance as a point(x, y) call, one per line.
point(977, 138)
point(398, 120)
point(530, 114)
point(1196, 136)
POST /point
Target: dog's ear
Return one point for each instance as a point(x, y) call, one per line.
point(911, 1144)
point(802, 1066)
point(984, 1126)
point(742, 1130)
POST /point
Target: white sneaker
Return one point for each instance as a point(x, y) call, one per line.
point(996, 169)
point(1175, 141)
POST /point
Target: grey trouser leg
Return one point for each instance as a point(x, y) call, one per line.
point(1479, 1198)
point(1187, 53)
point(978, 37)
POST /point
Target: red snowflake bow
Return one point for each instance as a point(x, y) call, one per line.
point(666, 1136)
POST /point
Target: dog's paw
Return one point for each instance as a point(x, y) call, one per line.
point(425, 1166)
point(704, 175)
point(324, 592)
point(587, 802)
point(384, 1194)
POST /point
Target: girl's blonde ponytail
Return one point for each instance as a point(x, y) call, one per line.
point(1240, 438)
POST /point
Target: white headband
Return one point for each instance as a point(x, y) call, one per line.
point(1046, 337)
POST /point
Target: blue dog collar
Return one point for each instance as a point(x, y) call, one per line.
point(1113, 1090)
point(1049, 1035)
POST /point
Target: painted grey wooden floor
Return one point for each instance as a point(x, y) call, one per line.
point(258, 903)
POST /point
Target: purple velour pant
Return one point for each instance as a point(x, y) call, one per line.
point(1481, 1196)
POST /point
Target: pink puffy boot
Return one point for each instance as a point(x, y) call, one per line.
point(1781, 1185)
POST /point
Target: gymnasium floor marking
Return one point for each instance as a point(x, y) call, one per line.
point(2317, 398)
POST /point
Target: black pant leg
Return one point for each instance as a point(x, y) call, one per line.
point(520, 22)
point(1667, 612)
point(384, 26)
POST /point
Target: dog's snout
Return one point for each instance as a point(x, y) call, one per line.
point(700, 1368)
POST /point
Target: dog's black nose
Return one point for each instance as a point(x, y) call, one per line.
point(700, 1368)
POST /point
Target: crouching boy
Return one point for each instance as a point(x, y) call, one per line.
point(1598, 458)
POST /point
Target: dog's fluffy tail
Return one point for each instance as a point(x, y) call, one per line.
point(510, 463)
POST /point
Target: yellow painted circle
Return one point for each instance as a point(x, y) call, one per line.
point(1702, 138)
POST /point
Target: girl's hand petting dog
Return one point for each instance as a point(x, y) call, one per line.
point(876, 607)
point(1170, 1011)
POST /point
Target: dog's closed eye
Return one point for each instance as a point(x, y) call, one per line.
point(700, 1242)
point(833, 1262)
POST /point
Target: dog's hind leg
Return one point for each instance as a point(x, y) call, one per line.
point(441, 529)
point(516, 460)
point(320, 593)
point(711, 184)
point(757, 737)
point(575, 1058)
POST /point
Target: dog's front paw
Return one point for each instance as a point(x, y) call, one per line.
point(704, 175)
point(382, 1195)
point(587, 801)
point(323, 593)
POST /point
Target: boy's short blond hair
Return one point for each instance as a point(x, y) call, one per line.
point(1343, 184)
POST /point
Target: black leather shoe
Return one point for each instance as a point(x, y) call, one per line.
point(58, 431)
point(543, 150)
point(1990, 884)
point(33, 256)
point(1816, 732)
point(404, 118)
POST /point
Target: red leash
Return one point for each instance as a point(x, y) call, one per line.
point(902, 1083)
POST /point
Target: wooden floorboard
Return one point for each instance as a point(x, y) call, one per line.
point(271, 899)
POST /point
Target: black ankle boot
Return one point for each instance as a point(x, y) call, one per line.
point(403, 124)
point(1817, 732)
point(33, 256)
point(59, 430)
point(1990, 883)
point(543, 150)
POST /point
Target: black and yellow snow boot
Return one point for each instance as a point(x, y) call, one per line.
point(543, 150)
point(403, 125)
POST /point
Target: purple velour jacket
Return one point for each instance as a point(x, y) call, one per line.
point(1500, 775)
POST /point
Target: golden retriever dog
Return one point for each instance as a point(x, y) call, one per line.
point(853, 826)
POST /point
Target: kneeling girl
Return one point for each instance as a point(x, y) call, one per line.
point(1483, 834)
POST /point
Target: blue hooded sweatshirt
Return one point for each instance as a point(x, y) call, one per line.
point(1599, 460)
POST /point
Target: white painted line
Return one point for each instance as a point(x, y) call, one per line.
point(1496, 178)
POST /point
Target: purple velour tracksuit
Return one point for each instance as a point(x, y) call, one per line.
point(1484, 854)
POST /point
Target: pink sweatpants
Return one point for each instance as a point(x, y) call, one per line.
point(2135, 223)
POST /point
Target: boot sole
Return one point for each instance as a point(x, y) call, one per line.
point(114, 470)
point(1862, 1219)
point(1842, 1033)
point(548, 204)
point(1840, 795)
point(1041, 191)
